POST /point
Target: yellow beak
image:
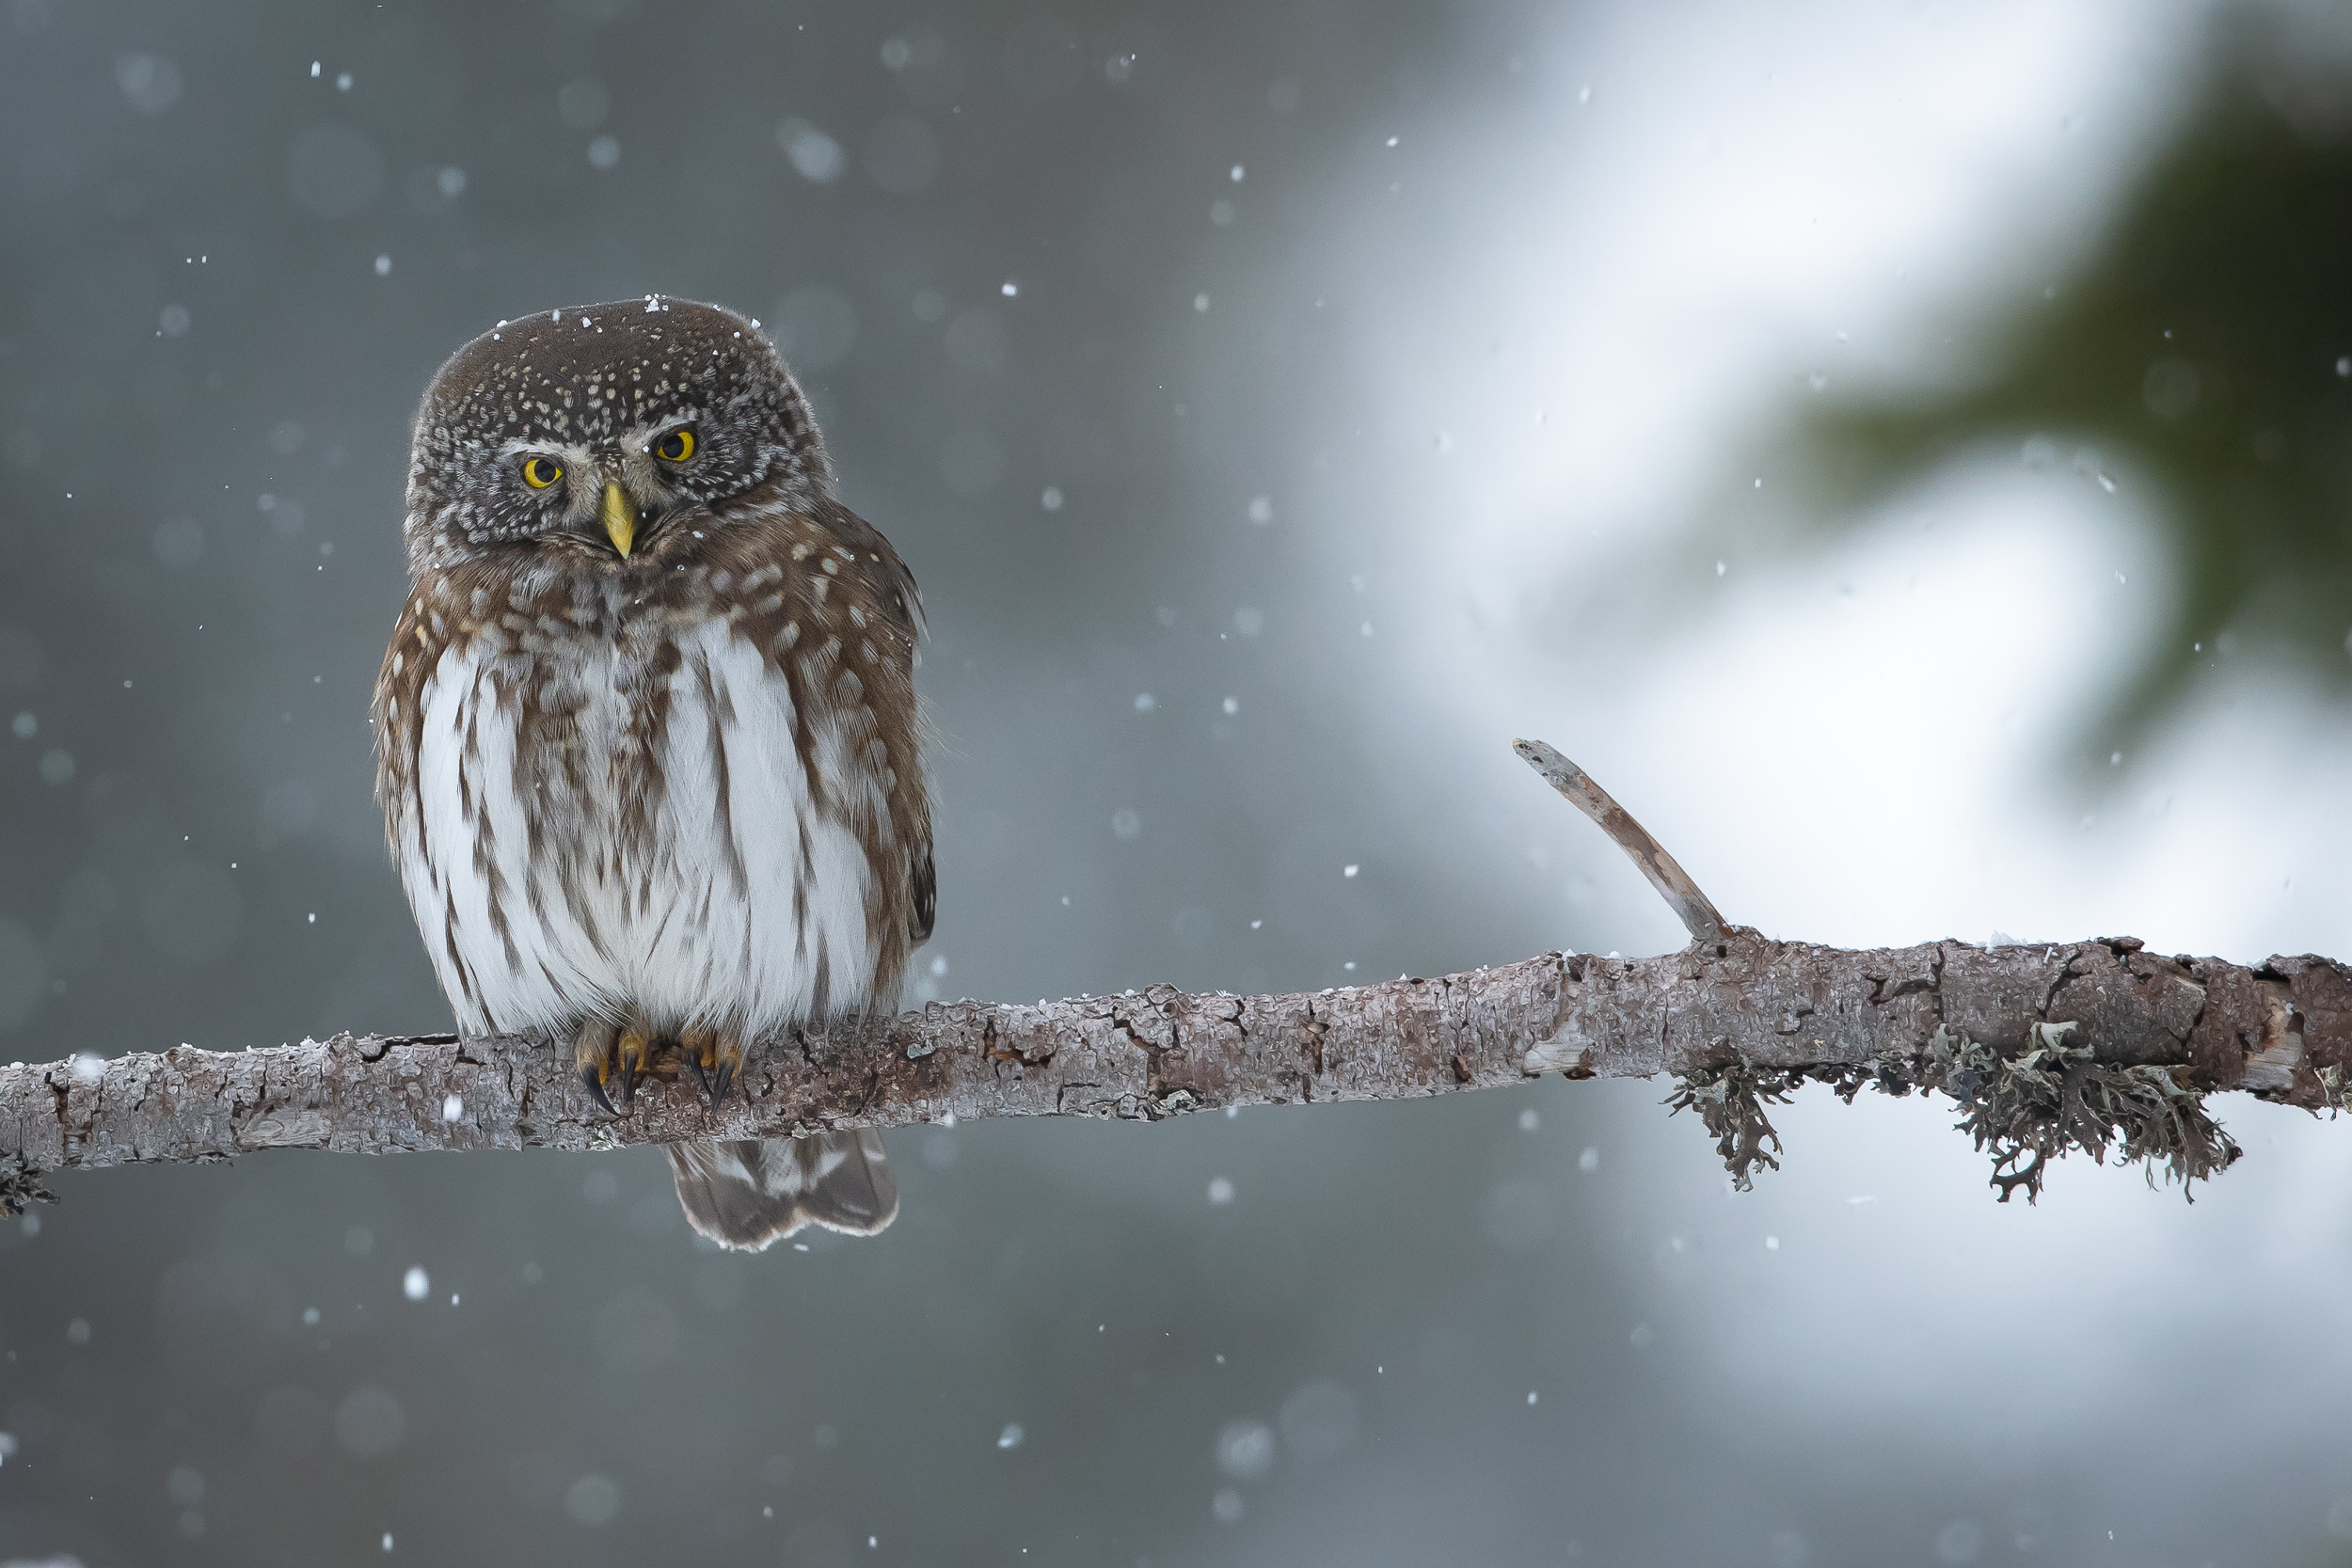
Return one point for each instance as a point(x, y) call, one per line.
point(620, 518)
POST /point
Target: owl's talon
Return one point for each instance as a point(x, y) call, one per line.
point(713, 1054)
point(699, 1048)
point(635, 1055)
point(590, 1051)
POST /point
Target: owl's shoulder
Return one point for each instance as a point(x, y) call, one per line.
point(876, 566)
point(806, 580)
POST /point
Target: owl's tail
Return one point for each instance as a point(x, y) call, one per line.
point(750, 1192)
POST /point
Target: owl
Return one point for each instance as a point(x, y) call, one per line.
point(646, 730)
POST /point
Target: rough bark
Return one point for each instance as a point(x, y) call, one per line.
point(1725, 1017)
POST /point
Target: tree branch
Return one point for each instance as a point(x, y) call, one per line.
point(1746, 1005)
point(2091, 1045)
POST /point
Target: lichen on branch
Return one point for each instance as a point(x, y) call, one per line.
point(20, 1186)
point(2052, 1098)
point(1730, 1103)
point(2057, 1098)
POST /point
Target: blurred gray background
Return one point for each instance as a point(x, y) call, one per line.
point(1900, 448)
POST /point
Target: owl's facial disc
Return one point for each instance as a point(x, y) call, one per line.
point(586, 430)
point(584, 494)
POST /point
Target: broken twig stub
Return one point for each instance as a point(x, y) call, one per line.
point(1696, 911)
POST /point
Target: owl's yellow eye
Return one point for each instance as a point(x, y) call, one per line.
point(540, 473)
point(676, 447)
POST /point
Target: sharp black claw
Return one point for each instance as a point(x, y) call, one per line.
point(701, 1077)
point(596, 1086)
point(628, 1083)
point(725, 1081)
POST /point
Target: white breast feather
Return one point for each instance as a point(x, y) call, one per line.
point(671, 926)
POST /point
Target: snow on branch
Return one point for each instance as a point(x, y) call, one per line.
point(2044, 1048)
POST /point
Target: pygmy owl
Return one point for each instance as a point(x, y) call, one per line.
point(647, 731)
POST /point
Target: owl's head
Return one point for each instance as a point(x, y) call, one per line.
point(580, 432)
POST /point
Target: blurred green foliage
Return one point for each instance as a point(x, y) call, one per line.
point(2203, 345)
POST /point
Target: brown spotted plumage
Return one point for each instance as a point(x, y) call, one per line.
point(648, 738)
